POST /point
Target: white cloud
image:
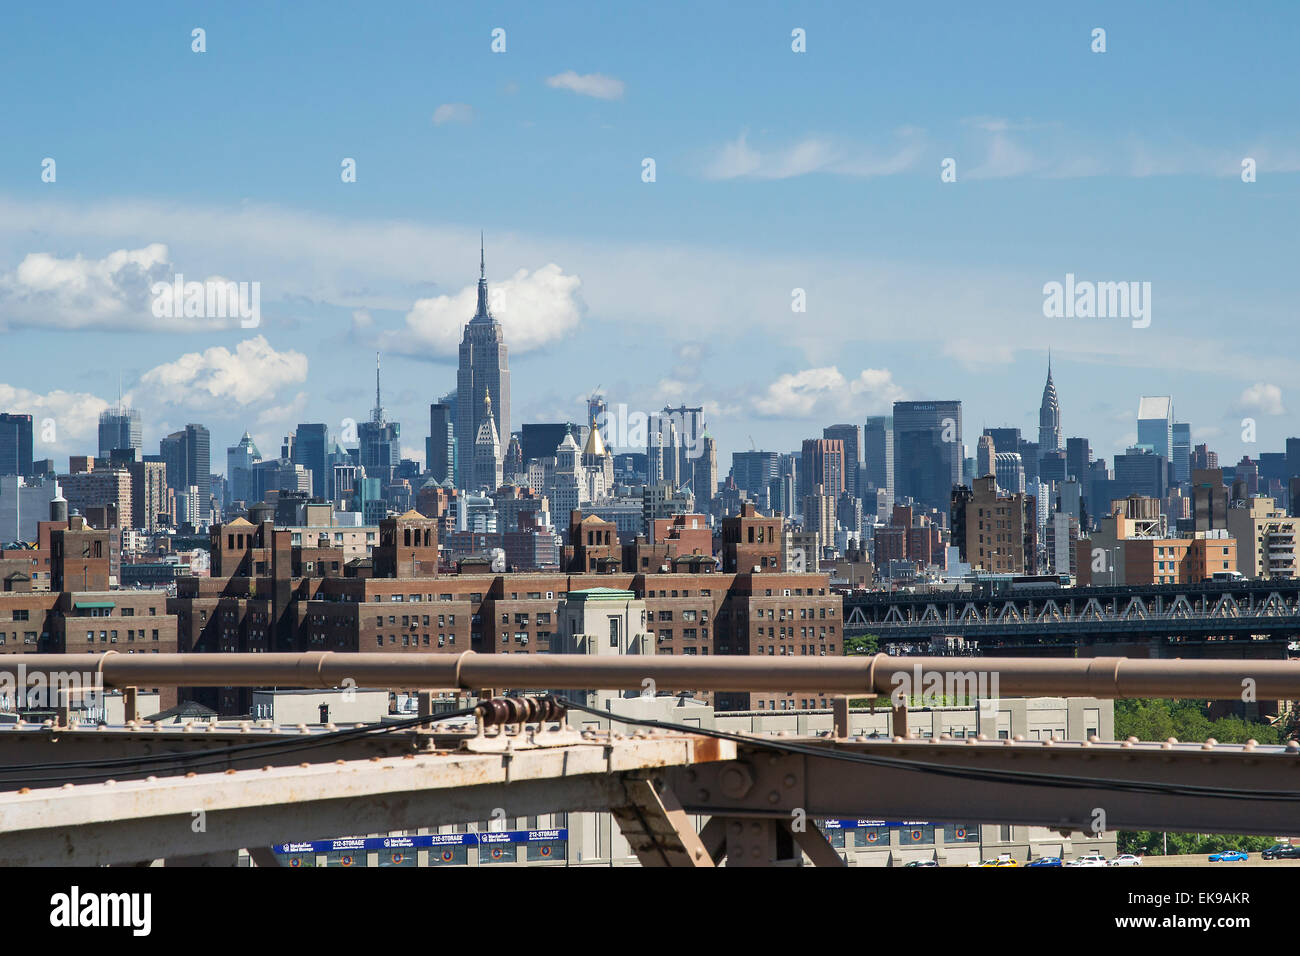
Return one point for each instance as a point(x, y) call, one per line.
point(739, 160)
point(251, 374)
point(109, 293)
point(826, 391)
point(453, 113)
point(1261, 398)
point(588, 84)
point(534, 309)
point(73, 415)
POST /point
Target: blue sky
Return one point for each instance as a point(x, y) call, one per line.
point(775, 170)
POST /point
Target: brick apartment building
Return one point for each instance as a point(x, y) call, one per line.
point(259, 598)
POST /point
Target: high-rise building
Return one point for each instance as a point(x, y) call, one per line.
point(821, 463)
point(928, 451)
point(15, 444)
point(1078, 456)
point(878, 455)
point(187, 455)
point(439, 450)
point(851, 436)
point(1009, 470)
point(1182, 452)
point(704, 473)
point(752, 470)
point(487, 451)
point(1049, 417)
point(149, 500)
point(311, 449)
point(985, 457)
point(1156, 424)
point(379, 449)
point(1001, 530)
point(119, 428)
point(483, 371)
point(240, 459)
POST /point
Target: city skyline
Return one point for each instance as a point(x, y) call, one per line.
point(941, 296)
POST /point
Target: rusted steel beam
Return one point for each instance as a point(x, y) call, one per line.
point(1103, 677)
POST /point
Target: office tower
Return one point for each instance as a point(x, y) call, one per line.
point(1078, 456)
point(483, 371)
point(487, 450)
point(240, 459)
point(878, 454)
point(187, 456)
point(851, 436)
point(704, 473)
point(378, 445)
point(985, 453)
point(753, 470)
point(1049, 416)
point(311, 449)
point(119, 428)
point(672, 442)
point(1051, 466)
point(1141, 472)
point(149, 498)
point(821, 463)
point(1156, 424)
point(1009, 469)
point(438, 449)
point(541, 439)
point(927, 451)
point(15, 444)
point(1182, 452)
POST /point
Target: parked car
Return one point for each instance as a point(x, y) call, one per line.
point(1282, 851)
point(1046, 861)
point(1091, 859)
point(1229, 856)
point(1126, 859)
point(1003, 860)
point(923, 863)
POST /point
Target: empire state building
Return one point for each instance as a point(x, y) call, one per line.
point(482, 381)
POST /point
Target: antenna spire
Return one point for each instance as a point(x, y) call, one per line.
point(482, 262)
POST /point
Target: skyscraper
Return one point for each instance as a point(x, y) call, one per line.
point(878, 454)
point(240, 459)
point(483, 372)
point(821, 463)
point(379, 450)
point(188, 457)
point(851, 436)
point(1156, 424)
point(927, 451)
point(15, 444)
point(1049, 416)
point(439, 452)
point(119, 428)
point(311, 449)
point(1182, 451)
point(985, 451)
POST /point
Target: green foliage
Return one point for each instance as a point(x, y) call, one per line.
point(1149, 843)
point(862, 644)
point(1160, 719)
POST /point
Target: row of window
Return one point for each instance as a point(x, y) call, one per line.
point(410, 620)
point(110, 637)
point(415, 640)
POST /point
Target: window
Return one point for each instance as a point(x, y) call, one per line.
point(613, 632)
